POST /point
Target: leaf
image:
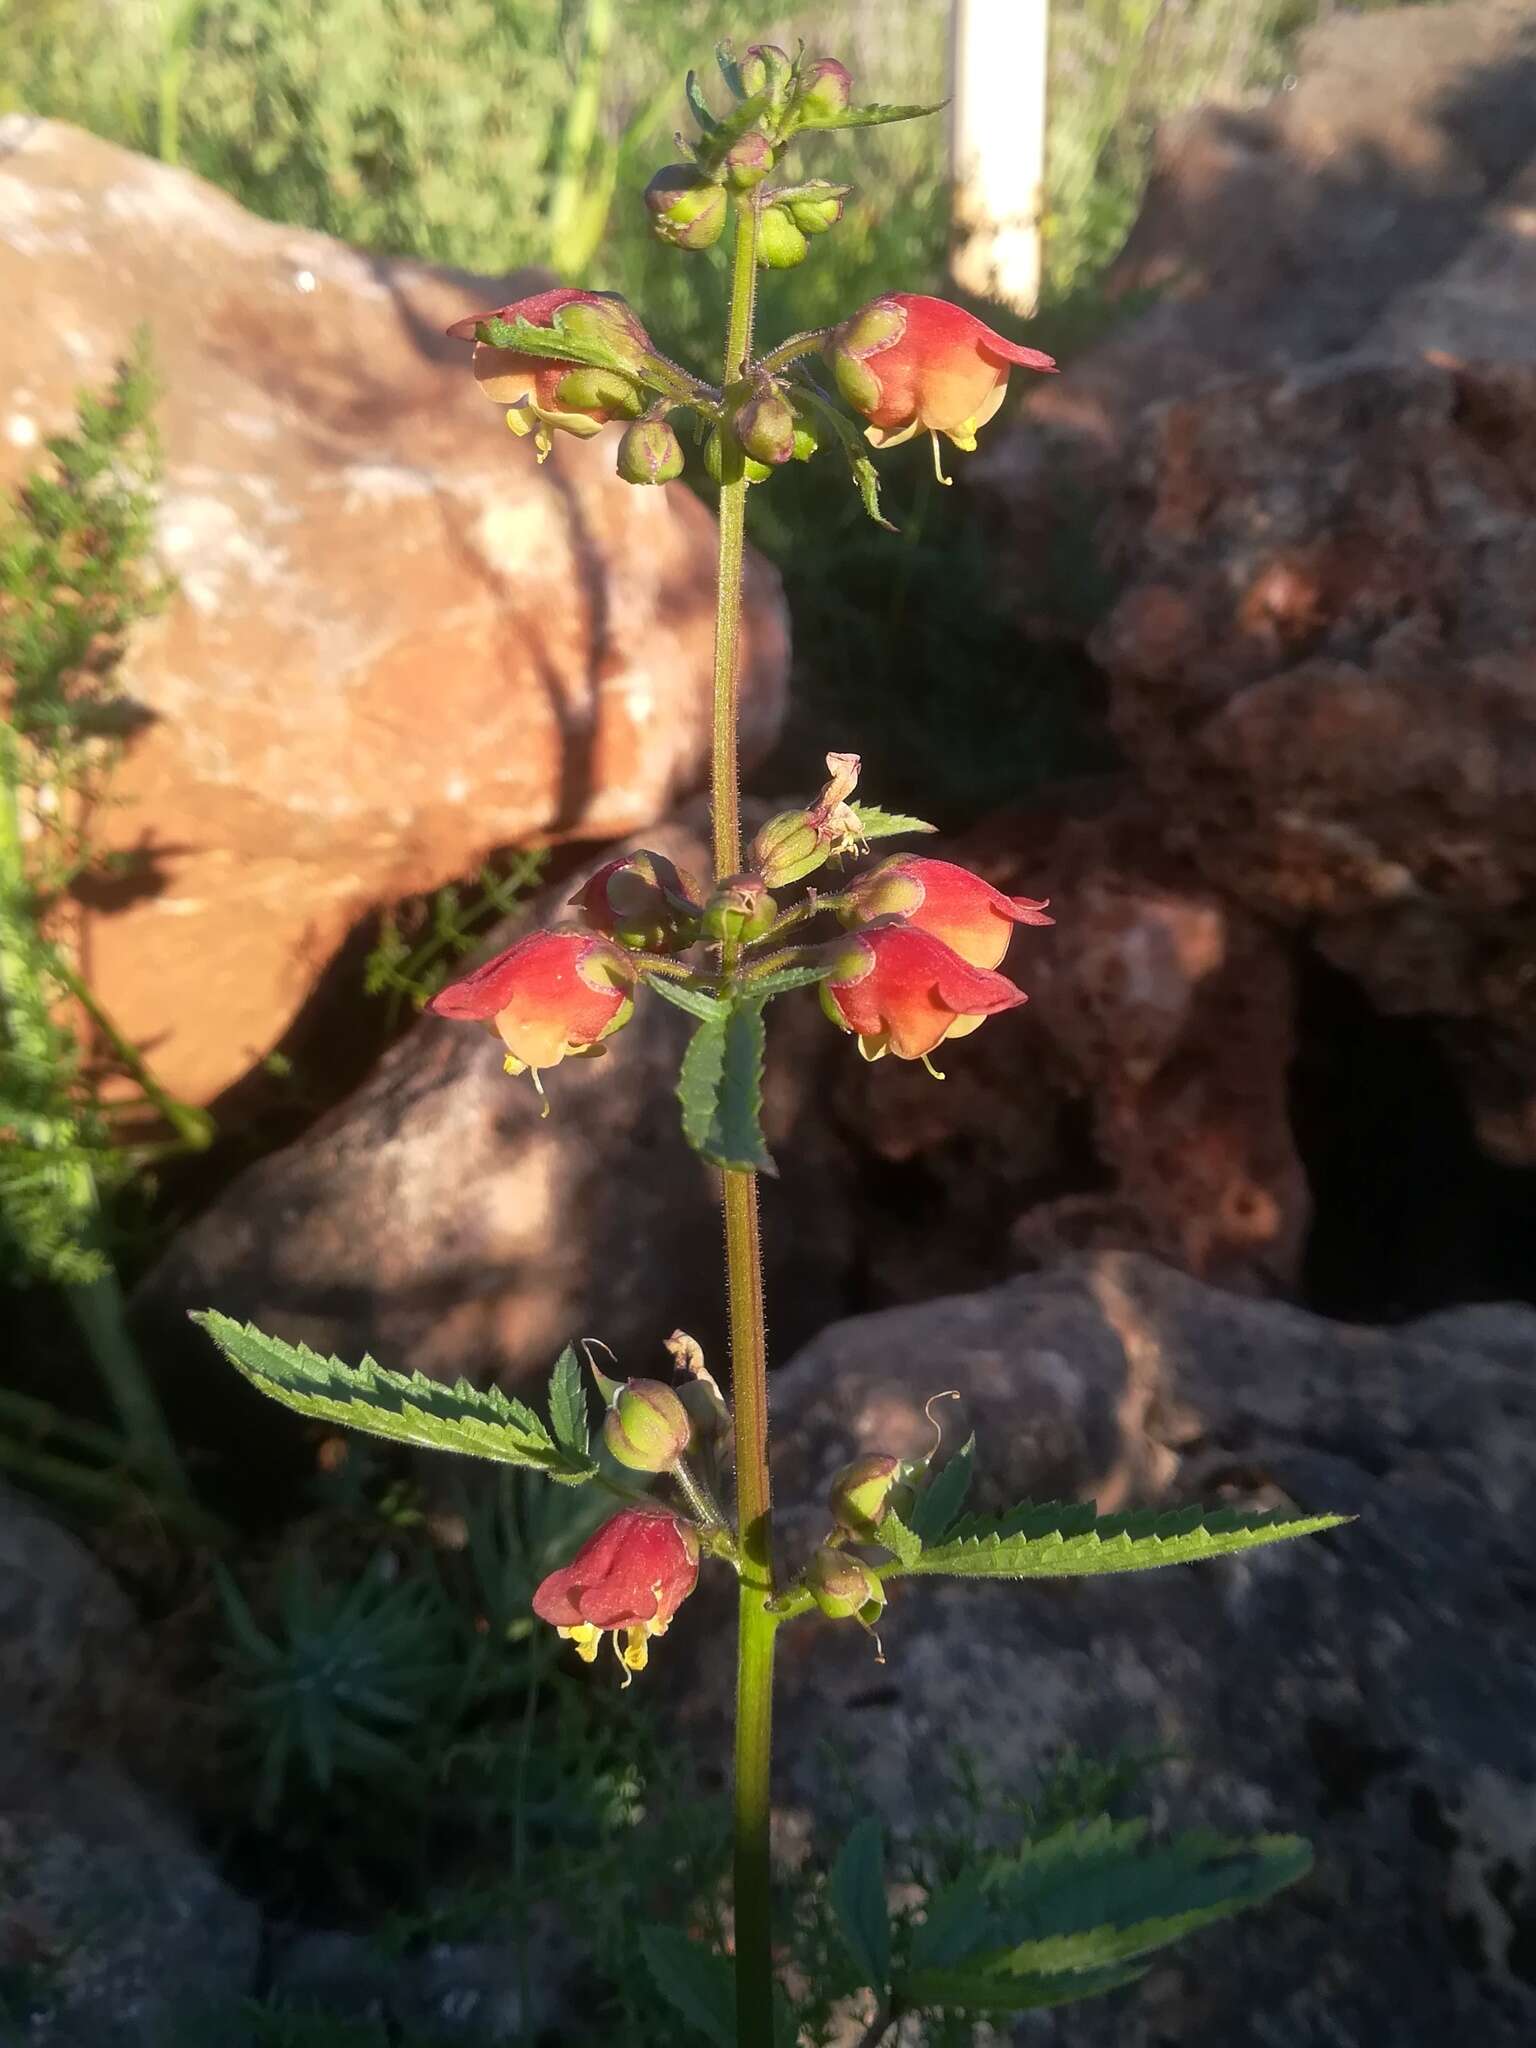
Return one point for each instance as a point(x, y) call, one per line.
point(1097, 1895)
point(730, 70)
point(483, 1422)
point(857, 1888)
point(568, 1405)
point(981, 1991)
point(784, 979)
point(696, 1001)
point(900, 1541)
point(944, 1496)
point(698, 105)
point(696, 1982)
point(720, 1090)
point(877, 824)
point(1071, 1541)
point(875, 115)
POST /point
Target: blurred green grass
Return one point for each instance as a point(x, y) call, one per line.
point(495, 134)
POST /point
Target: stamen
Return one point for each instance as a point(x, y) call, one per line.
point(928, 1063)
point(938, 467)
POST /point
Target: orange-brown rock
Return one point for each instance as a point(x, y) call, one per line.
point(397, 642)
point(1324, 671)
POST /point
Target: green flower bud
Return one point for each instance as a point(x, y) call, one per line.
point(610, 392)
point(815, 207)
point(766, 68)
point(748, 161)
point(787, 849)
point(756, 472)
point(740, 909)
point(650, 453)
point(780, 244)
point(647, 1428)
point(843, 1588)
point(765, 426)
point(864, 1492)
point(822, 92)
point(687, 209)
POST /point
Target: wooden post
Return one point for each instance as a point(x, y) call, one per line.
point(997, 147)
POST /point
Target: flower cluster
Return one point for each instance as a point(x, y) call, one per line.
point(917, 963)
point(571, 361)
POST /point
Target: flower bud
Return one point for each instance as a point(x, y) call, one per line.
point(822, 92)
point(687, 209)
point(740, 909)
point(863, 1492)
point(644, 901)
point(766, 68)
point(765, 426)
point(787, 849)
point(816, 206)
point(714, 462)
point(647, 1428)
point(806, 442)
point(780, 244)
point(748, 161)
point(650, 453)
point(843, 1588)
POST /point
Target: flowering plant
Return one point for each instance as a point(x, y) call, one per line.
point(911, 960)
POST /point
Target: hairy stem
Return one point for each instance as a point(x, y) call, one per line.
point(743, 1260)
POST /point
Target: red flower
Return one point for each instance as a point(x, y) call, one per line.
point(912, 365)
point(633, 1575)
point(644, 901)
point(903, 991)
point(969, 915)
point(542, 392)
point(551, 994)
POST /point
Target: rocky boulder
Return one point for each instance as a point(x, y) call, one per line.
point(1374, 1689)
point(113, 1923)
point(1323, 668)
point(1381, 200)
point(396, 644)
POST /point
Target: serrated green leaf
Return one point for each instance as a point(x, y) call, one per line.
point(696, 1001)
point(785, 979)
point(698, 105)
point(944, 1496)
point(903, 1544)
point(1071, 1541)
point(877, 824)
point(1098, 1895)
point(720, 1089)
point(481, 1422)
point(568, 1405)
point(981, 1991)
point(857, 1890)
point(695, 1981)
point(875, 115)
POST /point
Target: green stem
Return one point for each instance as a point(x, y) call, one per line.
point(580, 130)
point(790, 351)
point(743, 1263)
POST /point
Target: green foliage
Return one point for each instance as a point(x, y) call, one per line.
point(1064, 1917)
point(420, 943)
point(75, 575)
point(720, 1088)
point(338, 1679)
point(408, 1408)
point(875, 823)
point(1071, 1540)
point(856, 1887)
